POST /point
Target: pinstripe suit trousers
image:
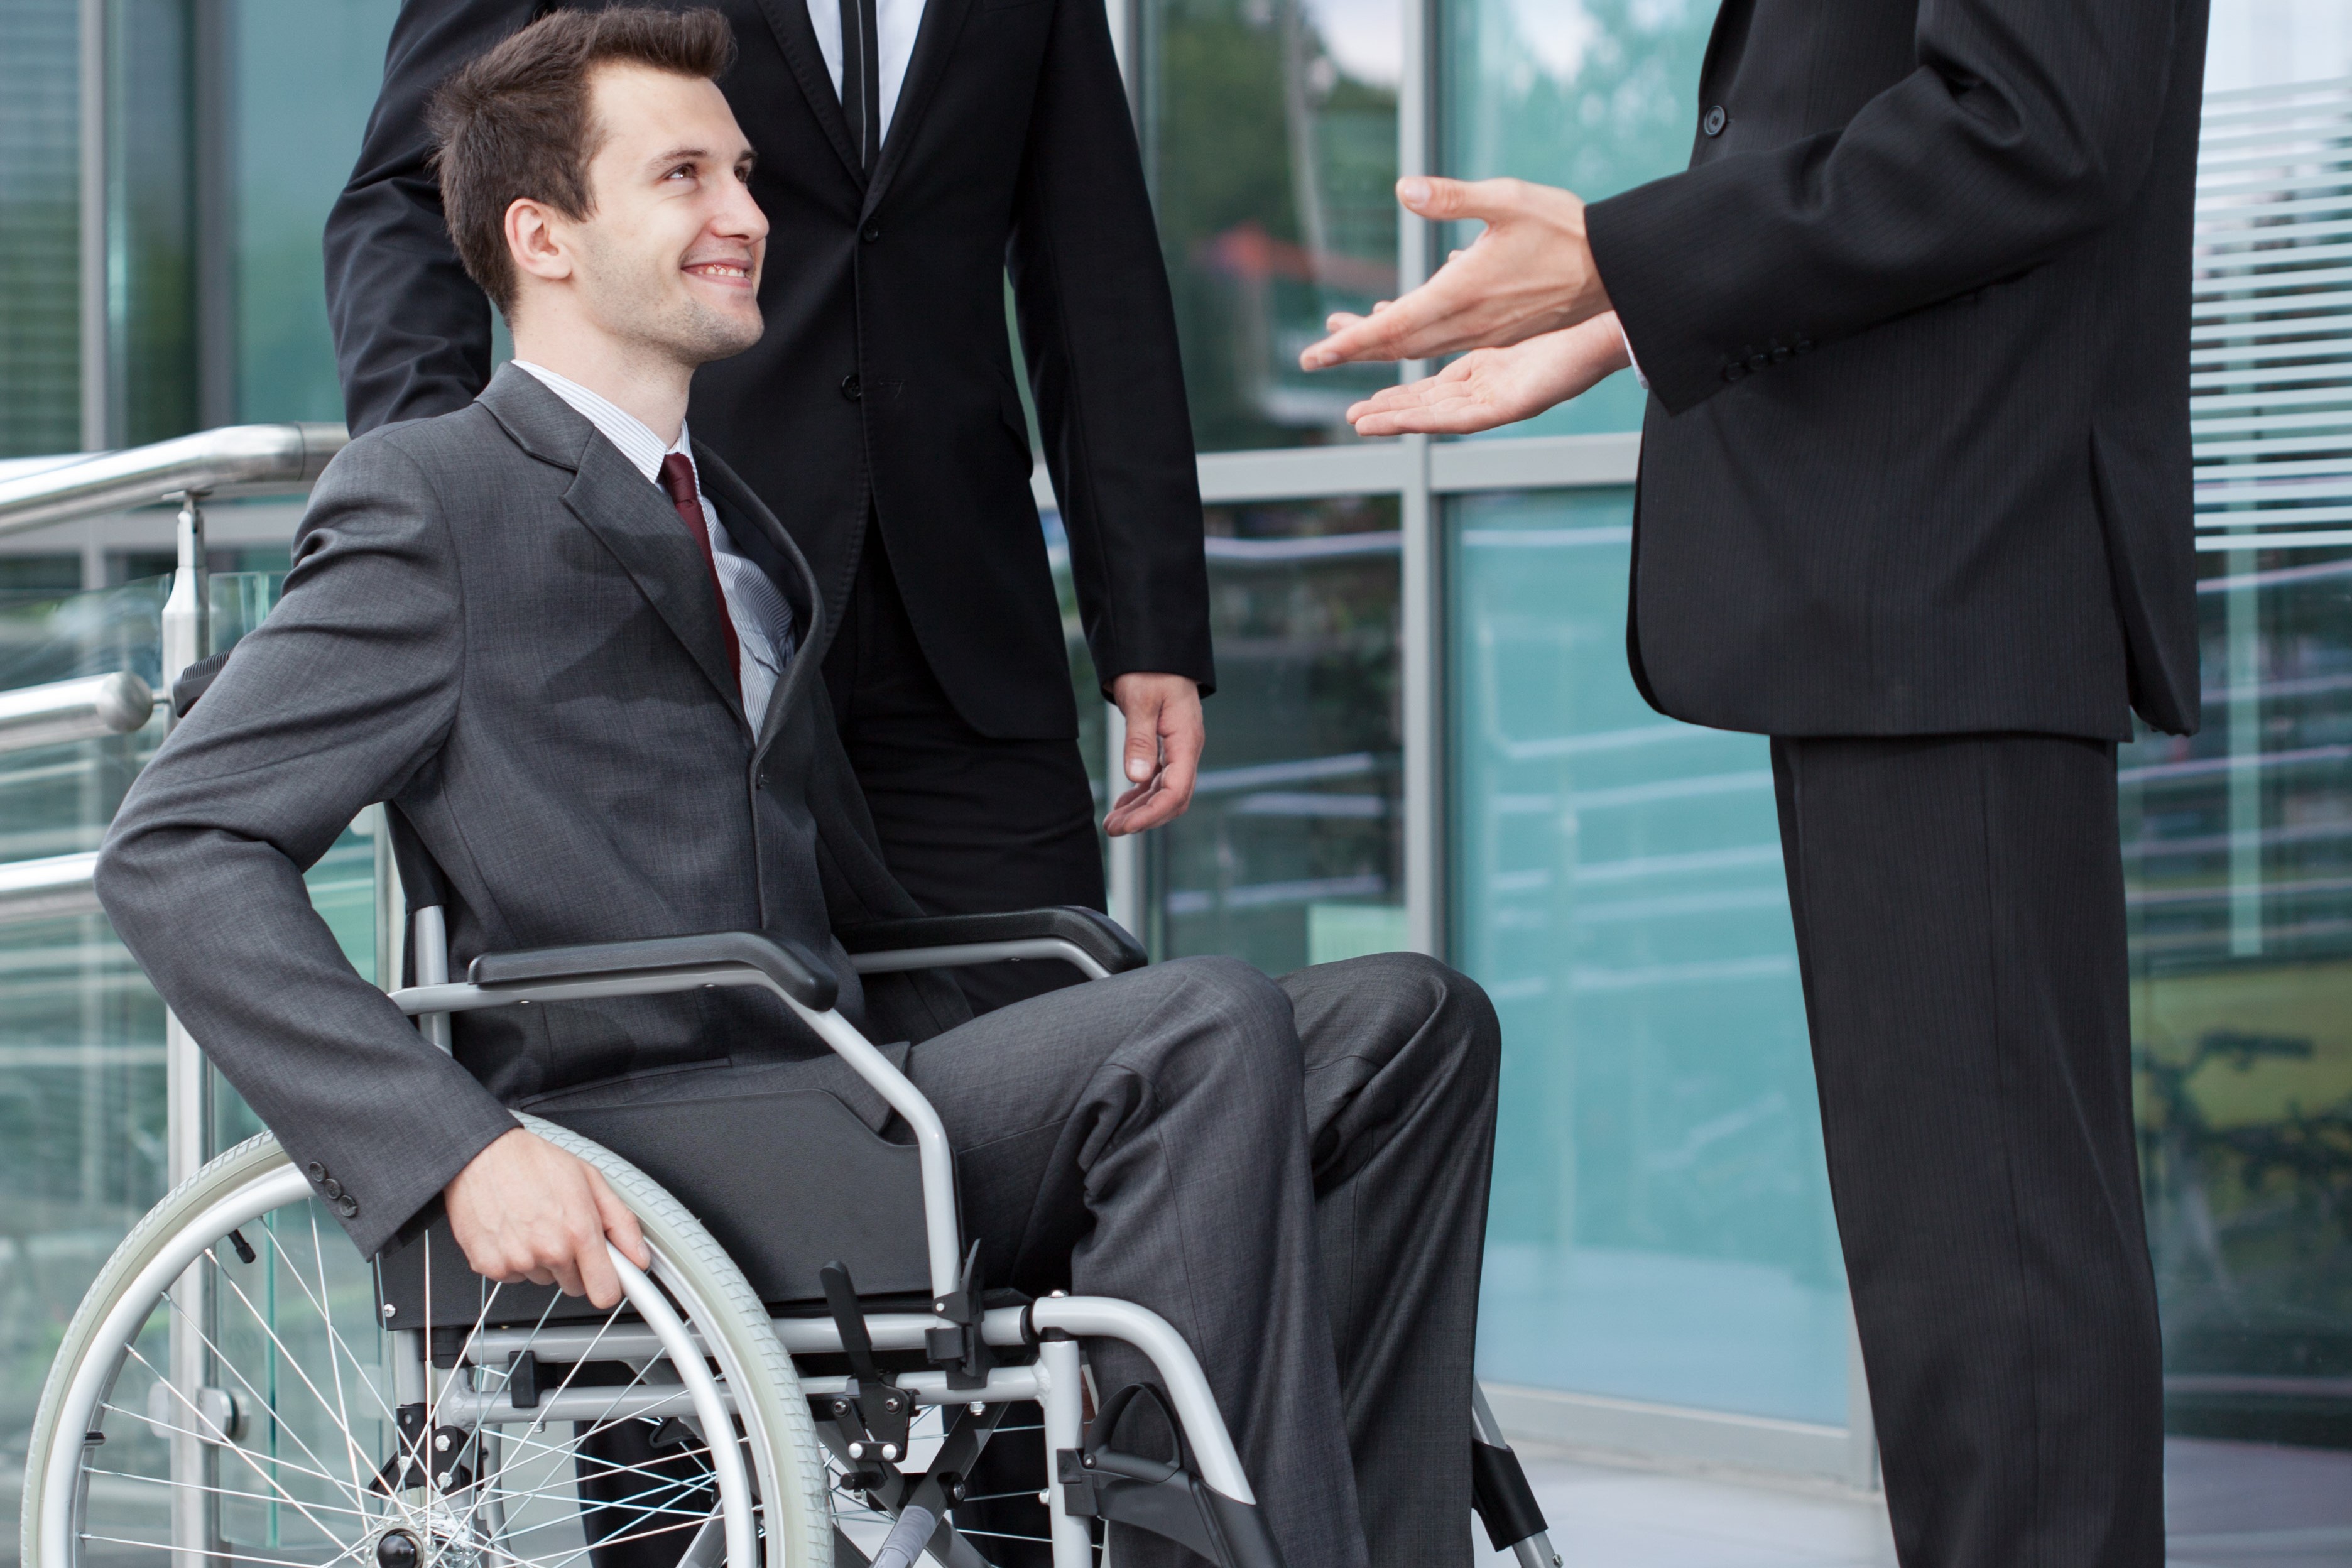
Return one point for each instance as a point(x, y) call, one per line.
point(1959, 905)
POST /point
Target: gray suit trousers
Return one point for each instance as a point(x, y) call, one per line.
point(1293, 1174)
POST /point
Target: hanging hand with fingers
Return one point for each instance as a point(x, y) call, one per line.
point(1488, 387)
point(523, 1210)
point(1165, 733)
point(1531, 271)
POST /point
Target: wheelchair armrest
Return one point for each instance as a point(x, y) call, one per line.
point(805, 977)
point(1091, 931)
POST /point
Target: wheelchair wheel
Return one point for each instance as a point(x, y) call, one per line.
point(301, 1433)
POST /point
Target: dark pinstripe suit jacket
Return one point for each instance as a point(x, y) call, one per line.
point(1915, 323)
point(496, 624)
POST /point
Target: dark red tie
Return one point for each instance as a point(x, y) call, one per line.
point(677, 478)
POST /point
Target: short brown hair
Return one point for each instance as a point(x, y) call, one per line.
point(515, 122)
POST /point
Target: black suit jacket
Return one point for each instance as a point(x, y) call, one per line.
point(886, 375)
point(1915, 323)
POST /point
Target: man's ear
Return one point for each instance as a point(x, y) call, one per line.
point(536, 240)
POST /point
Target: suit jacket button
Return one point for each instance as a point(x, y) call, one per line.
point(850, 387)
point(873, 232)
point(332, 1187)
point(349, 1207)
point(1734, 371)
point(763, 781)
point(315, 1171)
point(1715, 120)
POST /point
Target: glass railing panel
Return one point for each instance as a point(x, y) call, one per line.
point(1660, 1227)
point(81, 1033)
point(1293, 849)
point(82, 1127)
point(1269, 139)
point(2238, 862)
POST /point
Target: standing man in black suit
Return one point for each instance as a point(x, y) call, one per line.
point(1915, 502)
point(879, 418)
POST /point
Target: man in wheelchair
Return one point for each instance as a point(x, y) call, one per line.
point(579, 660)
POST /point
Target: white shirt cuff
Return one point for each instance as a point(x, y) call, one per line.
point(1629, 357)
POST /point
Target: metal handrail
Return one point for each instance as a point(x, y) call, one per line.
point(80, 710)
point(236, 459)
point(53, 887)
point(231, 460)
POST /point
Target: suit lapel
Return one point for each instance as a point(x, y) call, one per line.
point(759, 536)
point(641, 529)
point(789, 20)
point(935, 41)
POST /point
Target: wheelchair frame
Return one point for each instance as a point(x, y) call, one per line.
point(1228, 1508)
point(1207, 1507)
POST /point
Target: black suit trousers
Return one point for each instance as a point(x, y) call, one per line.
point(969, 823)
point(1959, 905)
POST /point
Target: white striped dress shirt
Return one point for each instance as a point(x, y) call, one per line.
point(763, 616)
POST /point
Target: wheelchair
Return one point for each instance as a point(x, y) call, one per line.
point(805, 1375)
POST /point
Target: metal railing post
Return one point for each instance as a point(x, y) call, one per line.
point(195, 1504)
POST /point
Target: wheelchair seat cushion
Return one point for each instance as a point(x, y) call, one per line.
point(783, 1163)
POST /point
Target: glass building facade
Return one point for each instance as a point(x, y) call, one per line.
point(1425, 734)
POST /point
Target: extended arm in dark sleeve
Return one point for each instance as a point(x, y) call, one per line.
point(2026, 125)
point(412, 331)
point(1099, 333)
point(333, 702)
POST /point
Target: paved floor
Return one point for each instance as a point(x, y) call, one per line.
point(2232, 1505)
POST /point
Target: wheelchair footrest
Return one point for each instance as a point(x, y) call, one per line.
point(1168, 1501)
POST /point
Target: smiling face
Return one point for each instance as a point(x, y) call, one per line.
point(669, 259)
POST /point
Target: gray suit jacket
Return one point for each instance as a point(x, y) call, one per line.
point(496, 624)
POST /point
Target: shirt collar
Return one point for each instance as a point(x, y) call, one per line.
point(633, 438)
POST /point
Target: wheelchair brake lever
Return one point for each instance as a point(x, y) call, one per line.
point(841, 1300)
point(875, 1421)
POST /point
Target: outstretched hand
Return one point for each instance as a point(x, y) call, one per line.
point(1488, 387)
point(1531, 271)
point(523, 1209)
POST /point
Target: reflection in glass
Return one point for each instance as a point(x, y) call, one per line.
point(81, 1035)
point(152, 245)
point(306, 76)
point(1290, 854)
point(1596, 95)
point(1661, 1227)
point(2238, 864)
point(82, 1146)
point(40, 324)
point(1269, 140)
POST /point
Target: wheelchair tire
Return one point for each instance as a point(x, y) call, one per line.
point(258, 1418)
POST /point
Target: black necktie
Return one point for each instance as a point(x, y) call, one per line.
point(861, 78)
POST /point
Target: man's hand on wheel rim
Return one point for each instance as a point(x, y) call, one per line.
point(1531, 271)
point(1165, 734)
point(524, 1210)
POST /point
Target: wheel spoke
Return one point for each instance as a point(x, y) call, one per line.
point(221, 1552)
point(291, 1360)
point(219, 1490)
point(167, 1429)
point(267, 1478)
point(578, 1553)
point(660, 1507)
point(334, 1340)
point(542, 1487)
point(526, 1441)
